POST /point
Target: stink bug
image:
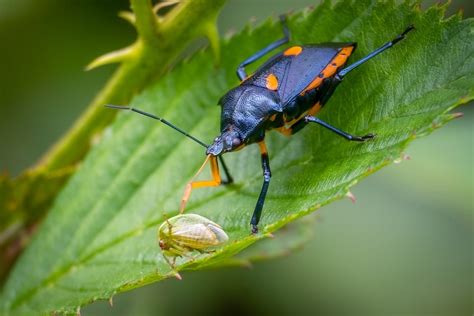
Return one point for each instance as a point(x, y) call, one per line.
point(284, 94)
point(184, 233)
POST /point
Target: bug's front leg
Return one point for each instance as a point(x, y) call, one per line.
point(166, 255)
point(216, 180)
point(267, 174)
point(229, 178)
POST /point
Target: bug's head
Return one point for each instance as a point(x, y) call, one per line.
point(228, 140)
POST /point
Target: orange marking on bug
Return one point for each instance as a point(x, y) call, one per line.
point(272, 82)
point(263, 147)
point(273, 117)
point(285, 131)
point(331, 68)
point(216, 180)
point(314, 109)
point(293, 51)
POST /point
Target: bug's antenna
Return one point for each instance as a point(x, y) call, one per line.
point(162, 120)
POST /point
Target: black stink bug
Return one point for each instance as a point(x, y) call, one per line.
point(284, 94)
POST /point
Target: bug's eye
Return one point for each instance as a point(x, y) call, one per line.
point(236, 142)
point(162, 244)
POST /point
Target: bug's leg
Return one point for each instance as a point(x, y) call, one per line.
point(384, 47)
point(312, 119)
point(171, 263)
point(267, 174)
point(229, 178)
point(180, 251)
point(241, 69)
point(216, 180)
point(174, 252)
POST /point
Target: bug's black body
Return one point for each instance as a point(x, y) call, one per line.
point(252, 108)
point(285, 94)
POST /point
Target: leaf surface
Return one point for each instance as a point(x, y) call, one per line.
point(100, 236)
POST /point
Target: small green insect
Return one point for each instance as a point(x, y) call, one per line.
point(185, 233)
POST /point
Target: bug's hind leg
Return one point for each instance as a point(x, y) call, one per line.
point(241, 69)
point(312, 119)
point(379, 50)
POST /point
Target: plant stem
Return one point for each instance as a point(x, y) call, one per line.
point(152, 53)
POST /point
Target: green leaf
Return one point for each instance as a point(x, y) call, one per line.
point(288, 239)
point(100, 237)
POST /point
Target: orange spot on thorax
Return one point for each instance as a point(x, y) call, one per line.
point(272, 82)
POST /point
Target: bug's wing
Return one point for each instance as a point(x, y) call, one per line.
point(195, 236)
point(219, 232)
point(295, 72)
point(303, 69)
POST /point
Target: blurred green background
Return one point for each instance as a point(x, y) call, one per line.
point(405, 247)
